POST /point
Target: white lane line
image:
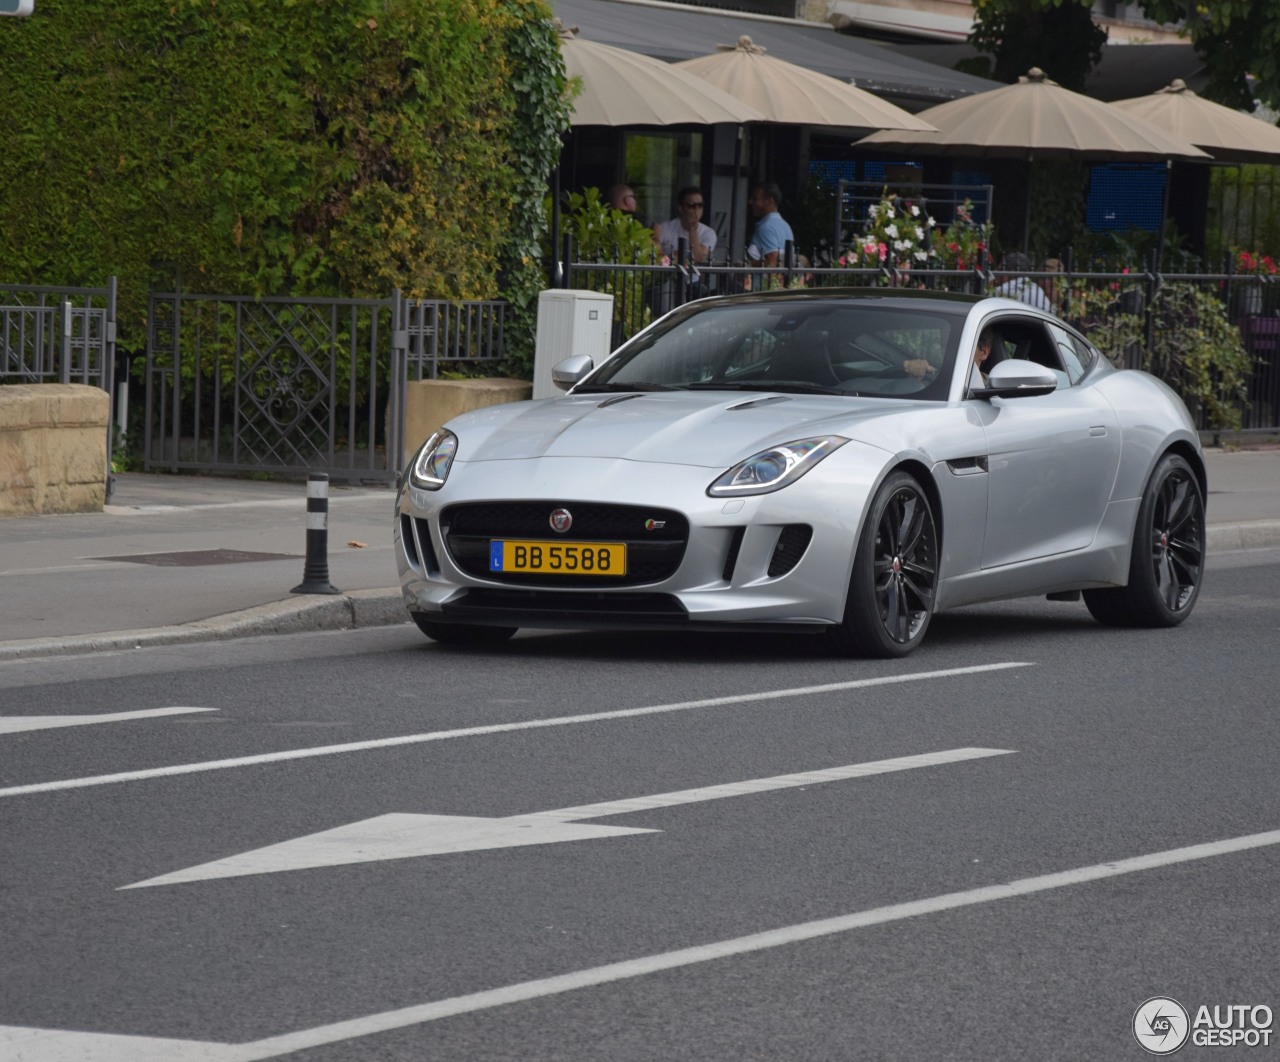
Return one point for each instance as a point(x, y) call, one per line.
point(275, 1046)
point(496, 728)
point(18, 724)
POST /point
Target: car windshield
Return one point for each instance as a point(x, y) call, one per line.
point(857, 346)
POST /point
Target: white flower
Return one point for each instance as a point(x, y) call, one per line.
point(902, 245)
point(872, 211)
point(915, 211)
point(891, 231)
point(919, 233)
point(920, 256)
point(932, 223)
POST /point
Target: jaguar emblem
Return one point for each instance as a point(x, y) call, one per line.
point(561, 520)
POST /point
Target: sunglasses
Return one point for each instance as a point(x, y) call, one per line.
point(692, 206)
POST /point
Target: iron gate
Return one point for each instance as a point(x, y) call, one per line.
point(238, 384)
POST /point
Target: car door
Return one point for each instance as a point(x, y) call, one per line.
point(1051, 459)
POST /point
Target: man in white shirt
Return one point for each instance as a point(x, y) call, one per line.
point(702, 238)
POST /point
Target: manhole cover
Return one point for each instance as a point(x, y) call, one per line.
point(198, 557)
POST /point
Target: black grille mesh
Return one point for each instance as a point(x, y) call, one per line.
point(792, 543)
point(655, 538)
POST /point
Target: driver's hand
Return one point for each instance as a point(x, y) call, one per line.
point(917, 367)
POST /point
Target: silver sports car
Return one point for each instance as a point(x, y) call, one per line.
point(842, 463)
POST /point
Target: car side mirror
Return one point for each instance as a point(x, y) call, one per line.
point(572, 371)
point(1016, 378)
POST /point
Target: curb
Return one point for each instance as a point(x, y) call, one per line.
point(384, 607)
point(1255, 534)
point(360, 608)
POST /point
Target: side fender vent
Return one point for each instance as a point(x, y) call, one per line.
point(731, 561)
point(792, 543)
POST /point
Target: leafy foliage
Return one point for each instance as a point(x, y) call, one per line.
point(1059, 36)
point(1191, 343)
point(340, 148)
point(602, 234)
point(965, 243)
point(1238, 40)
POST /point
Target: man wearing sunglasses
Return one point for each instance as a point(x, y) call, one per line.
point(689, 224)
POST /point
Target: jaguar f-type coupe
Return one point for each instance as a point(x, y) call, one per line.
point(835, 463)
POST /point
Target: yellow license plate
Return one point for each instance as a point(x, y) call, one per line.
point(558, 558)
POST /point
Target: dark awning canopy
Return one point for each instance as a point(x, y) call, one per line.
point(673, 32)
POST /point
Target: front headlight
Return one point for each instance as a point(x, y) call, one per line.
point(431, 466)
point(774, 468)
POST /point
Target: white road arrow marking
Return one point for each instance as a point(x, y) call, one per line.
point(403, 836)
point(17, 724)
point(22, 1044)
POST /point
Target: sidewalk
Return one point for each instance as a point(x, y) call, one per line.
point(184, 559)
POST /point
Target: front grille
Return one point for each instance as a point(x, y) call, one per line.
point(655, 538)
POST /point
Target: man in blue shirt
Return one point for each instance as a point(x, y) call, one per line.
point(770, 236)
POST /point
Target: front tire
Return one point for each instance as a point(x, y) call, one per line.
point(895, 574)
point(1167, 564)
point(461, 634)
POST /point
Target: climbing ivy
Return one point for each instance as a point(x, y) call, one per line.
point(304, 147)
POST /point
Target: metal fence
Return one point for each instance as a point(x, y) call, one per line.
point(236, 384)
point(1128, 314)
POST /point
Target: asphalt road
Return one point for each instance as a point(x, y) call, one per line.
point(865, 913)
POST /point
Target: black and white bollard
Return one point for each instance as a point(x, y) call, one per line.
point(315, 570)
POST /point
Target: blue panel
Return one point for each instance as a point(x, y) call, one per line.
point(878, 171)
point(978, 181)
point(833, 171)
point(1125, 196)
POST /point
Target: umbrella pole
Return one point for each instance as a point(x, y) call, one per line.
point(733, 198)
point(557, 267)
point(1026, 219)
point(1164, 215)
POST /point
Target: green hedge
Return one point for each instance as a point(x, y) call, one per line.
point(309, 147)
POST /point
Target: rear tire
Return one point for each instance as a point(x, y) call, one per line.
point(462, 634)
point(895, 574)
point(1167, 564)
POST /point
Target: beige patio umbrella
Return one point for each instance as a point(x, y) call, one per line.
point(619, 87)
point(1228, 135)
point(1037, 119)
point(786, 93)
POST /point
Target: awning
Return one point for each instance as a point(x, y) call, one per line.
point(673, 32)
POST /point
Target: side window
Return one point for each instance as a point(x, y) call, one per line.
point(1075, 355)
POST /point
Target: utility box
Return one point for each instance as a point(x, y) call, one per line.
point(569, 323)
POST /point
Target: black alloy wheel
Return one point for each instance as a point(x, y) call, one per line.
point(1167, 565)
point(895, 574)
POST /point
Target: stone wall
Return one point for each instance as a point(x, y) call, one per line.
point(429, 404)
point(53, 448)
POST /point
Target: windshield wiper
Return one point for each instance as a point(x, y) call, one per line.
point(789, 387)
point(615, 388)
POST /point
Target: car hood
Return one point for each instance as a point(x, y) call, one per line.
point(713, 429)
